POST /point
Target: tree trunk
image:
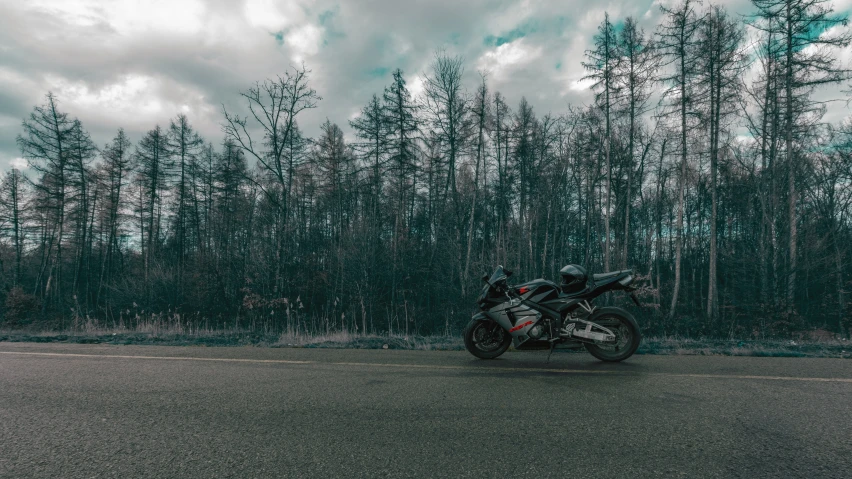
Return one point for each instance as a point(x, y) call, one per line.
point(681, 183)
point(791, 170)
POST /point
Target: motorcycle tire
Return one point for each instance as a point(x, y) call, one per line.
point(628, 335)
point(499, 339)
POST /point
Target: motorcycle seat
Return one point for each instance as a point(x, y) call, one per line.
point(612, 274)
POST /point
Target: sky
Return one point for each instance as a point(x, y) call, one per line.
point(139, 63)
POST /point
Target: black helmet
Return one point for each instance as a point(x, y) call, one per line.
point(573, 278)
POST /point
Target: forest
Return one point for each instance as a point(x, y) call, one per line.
point(704, 164)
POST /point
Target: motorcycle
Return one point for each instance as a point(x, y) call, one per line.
point(540, 314)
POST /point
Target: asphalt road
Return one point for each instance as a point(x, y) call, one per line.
point(72, 411)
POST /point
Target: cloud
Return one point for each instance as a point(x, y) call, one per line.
point(138, 63)
point(131, 94)
point(581, 84)
point(416, 86)
point(502, 60)
point(303, 42)
point(18, 163)
point(526, 28)
point(128, 17)
point(271, 15)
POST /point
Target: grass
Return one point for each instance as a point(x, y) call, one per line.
point(822, 348)
point(236, 337)
point(347, 340)
point(126, 337)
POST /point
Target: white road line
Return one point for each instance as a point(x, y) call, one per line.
point(441, 367)
point(173, 358)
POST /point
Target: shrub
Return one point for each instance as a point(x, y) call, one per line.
point(20, 307)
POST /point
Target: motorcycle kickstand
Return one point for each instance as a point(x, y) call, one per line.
point(552, 347)
point(552, 342)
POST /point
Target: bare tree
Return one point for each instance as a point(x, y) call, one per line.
point(677, 42)
point(806, 63)
point(116, 168)
point(635, 77)
point(274, 106)
point(523, 131)
point(400, 116)
point(45, 144)
point(81, 152)
point(447, 106)
point(480, 113)
point(11, 211)
point(185, 146)
point(722, 65)
point(603, 63)
point(154, 159)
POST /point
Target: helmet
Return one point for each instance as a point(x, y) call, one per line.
point(573, 278)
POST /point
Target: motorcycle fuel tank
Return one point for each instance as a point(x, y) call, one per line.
point(538, 290)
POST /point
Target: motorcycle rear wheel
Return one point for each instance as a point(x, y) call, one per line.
point(486, 339)
point(627, 335)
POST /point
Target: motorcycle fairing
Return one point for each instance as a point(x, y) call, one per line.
point(538, 290)
point(514, 317)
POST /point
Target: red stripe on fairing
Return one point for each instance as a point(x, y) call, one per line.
point(520, 326)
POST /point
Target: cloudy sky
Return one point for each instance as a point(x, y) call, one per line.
point(138, 63)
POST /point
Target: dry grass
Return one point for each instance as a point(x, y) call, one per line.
point(166, 332)
point(348, 340)
point(811, 348)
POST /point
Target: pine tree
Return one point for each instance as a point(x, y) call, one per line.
point(603, 63)
point(46, 144)
point(155, 169)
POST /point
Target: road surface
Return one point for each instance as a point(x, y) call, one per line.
point(74, 411)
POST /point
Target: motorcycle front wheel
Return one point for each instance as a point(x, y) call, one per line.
point(486, 339)
point(627, 335)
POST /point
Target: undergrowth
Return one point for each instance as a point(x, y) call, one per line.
point(173, 336)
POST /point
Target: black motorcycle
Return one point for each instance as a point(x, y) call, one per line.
point(541, 315)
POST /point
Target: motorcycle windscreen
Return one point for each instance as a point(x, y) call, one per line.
point(499, 275)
